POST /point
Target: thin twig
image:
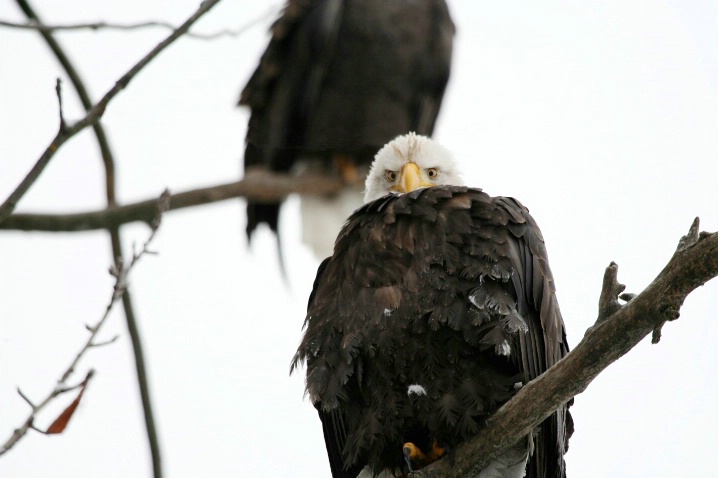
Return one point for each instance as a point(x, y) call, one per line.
point(120, 273)
point(232, 33)
point(69, 388)
point(106, 342)
point(58, 91)
point(84, 96)
point(152, 436)
point(97, 111)
point(25, 397)
point(258, 186)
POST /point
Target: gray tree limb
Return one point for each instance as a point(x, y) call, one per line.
point(257, 185)
point(617, 330)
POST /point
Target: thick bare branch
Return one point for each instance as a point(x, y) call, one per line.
point(96, 112)
point(694, 263)
point(257, 185)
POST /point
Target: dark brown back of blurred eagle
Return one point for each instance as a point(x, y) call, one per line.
point(339, 79)
point(437, 305)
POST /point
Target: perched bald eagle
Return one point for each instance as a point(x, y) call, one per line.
point(437, 305)
point(338, 80)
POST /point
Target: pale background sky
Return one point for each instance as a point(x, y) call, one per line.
point(600, 116)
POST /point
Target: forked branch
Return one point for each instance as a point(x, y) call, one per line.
point(120, 273)
point(95, 113)
point(618, 329)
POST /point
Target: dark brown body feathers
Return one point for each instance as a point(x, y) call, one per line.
point(446, 288)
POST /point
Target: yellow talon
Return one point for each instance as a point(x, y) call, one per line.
point(436, 452)
point(416, 459)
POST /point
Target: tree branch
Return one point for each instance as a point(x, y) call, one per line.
point(693, 264)
point(120, 273)
point(114, 231)
point(96, 112)
point(257, 185)
point(82, 93)
point(232, 33)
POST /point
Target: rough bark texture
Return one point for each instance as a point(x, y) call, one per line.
point(693, 264)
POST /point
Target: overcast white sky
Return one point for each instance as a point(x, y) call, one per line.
point(600, 116)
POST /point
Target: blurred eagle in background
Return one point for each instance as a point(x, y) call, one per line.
point(338, 80)
point(437, 305)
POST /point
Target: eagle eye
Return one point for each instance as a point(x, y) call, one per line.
point(390, 175)
point(432, 173)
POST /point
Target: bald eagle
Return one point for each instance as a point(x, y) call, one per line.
point(338, 80)
point(437, 305)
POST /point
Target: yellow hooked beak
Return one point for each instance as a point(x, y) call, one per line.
point(410, 179)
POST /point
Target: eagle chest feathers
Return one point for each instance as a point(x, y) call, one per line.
point(422, 321)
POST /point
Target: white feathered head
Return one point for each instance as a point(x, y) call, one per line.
point(410, 162)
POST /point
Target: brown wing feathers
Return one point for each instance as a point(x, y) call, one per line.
point(433, 288)
point(335, 438)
